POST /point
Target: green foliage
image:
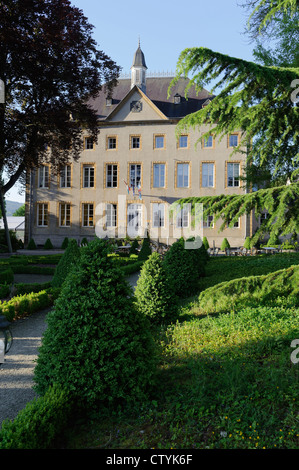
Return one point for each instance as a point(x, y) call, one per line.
point(247, 243)
point(48, 244)
point(273, 240)
point(21, 288)
point(134, 246)
point(39, 423)
point(131, 268)
point(252, 290)
point(84, 241)
point(205, 243)
point(4, 291)
point(23, 269)
point(20, 212)
point(7, 276)
point(225, 244)
point(23, 305)
point(145, 251)
point(65, 243)
point(154, 293)
point(184, 267)
point(104, 350)
point(31, 245)
point(69, 258)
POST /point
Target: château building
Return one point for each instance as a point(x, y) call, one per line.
point(127, 181)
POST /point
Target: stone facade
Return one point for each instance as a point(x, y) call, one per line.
point(137, 148)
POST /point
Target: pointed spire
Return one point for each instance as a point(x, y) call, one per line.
point(138, 69)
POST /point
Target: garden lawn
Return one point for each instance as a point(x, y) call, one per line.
point(225, 381)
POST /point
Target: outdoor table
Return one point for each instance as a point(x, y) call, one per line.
point(270, 249)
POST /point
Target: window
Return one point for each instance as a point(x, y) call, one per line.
point(135, 175)
point(207, 175)
point(65, 176)
point(135, 142)
point(88, 143)
point(182, 218)
point(209, 223)
point(111, 215)
point(42, 214)
point(88, 176)
point(208, 142)
point(134, 219)
point(64, 215)
point(236, 224)
point(159, 175)
point(43, 176)
point(233, 174)
point(183, 141)
point(159, 141)
point(182, 175)
point(233, 140)
point(87, 215)
point(158, 215)
point(111, 176)
point(263, 217)
point(111, 143)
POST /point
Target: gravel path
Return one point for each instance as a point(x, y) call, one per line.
point(16, 374)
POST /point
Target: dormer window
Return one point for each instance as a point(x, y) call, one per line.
point(177, 98)
point(108, 101)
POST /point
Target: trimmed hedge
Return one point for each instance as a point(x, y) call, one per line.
point(39, 423)
point(253, 290)
point(22, 289)
point(21, 269)
point(70, 257)
point(23, 305)
point(7, 276)
point(4, 291)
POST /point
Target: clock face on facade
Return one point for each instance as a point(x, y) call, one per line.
point(136, 106)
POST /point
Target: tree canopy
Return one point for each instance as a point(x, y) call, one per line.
point(50, 65)
point(259, 100)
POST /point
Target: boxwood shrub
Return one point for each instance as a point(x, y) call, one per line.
point(185, 267)
point(97, 344)
point(154, 292)
point(70, 256)
point(39, 423)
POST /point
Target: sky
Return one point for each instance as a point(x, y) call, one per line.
point(165, 28)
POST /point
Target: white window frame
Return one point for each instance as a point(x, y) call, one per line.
point(43, 210)
point(66, 176)
point(43, 176)
point(90, 214)
point(64, 212)
point(113, 183)
point(160, 177)
point(135, 179)
point(158, 215)
point(207, 175)
point(234, 179)
point(88, 176)
point(182, 217)
point(183, 141)
point(209, 223)
point(111, 215)
point(185, 174)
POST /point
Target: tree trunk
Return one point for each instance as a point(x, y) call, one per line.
point(3, 209)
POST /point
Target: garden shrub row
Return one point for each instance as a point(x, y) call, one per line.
point(39, 423)
point(253, 290)
point(23, 305)
point(7, 276)
point(4, 291)
point(21, 269)
point(21, 288)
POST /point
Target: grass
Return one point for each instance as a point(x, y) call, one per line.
point(225, 380)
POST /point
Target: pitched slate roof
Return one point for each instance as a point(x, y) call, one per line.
point(156, 91)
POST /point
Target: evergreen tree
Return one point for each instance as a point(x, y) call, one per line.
point(261, 101)
point(70, 257)
point(154, 292)
point(97, 345)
